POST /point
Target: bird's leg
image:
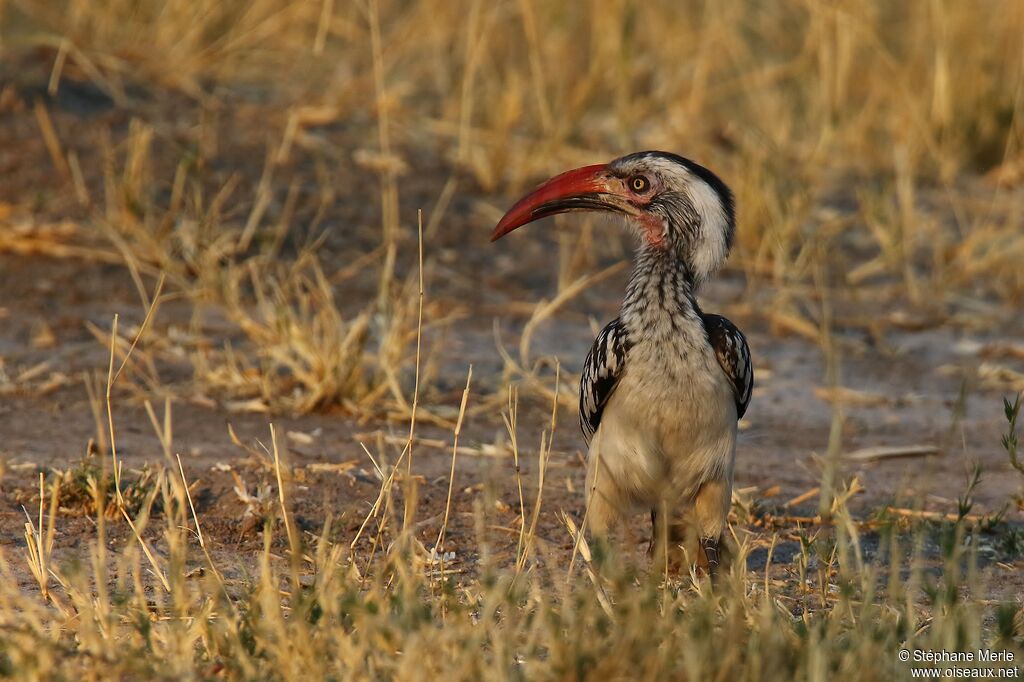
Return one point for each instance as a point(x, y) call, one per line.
point(654, 532)
point(603, 504)
point(660, 547)
point(709, 546)
point(666, 552)
point(710, 510)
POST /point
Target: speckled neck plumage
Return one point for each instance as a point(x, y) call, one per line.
point(660, 297)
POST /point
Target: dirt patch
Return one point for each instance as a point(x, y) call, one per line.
point(781, 447)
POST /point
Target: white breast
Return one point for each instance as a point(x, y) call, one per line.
point(670, 425)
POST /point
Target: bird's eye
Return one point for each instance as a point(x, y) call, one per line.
point(639, 184)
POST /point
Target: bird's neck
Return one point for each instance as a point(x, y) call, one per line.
point(660, 288)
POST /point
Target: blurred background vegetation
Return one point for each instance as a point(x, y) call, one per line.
point(876, 148)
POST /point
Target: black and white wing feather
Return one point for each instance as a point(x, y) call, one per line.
point(734, 356)
point(601, 372)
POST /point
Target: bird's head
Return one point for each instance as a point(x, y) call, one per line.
point(672, 203)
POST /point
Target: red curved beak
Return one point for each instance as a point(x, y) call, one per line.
point(583, 189)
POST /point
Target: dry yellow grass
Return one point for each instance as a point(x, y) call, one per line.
point(869, 143)
point(796, 104)
point(164, 608)
point(854, 134)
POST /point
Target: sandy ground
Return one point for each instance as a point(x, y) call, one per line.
point(780, 449)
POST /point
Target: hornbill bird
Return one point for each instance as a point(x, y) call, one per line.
point(664, 383)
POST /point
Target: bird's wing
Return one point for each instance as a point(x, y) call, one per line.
point(734, 356)
point(601, 372)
